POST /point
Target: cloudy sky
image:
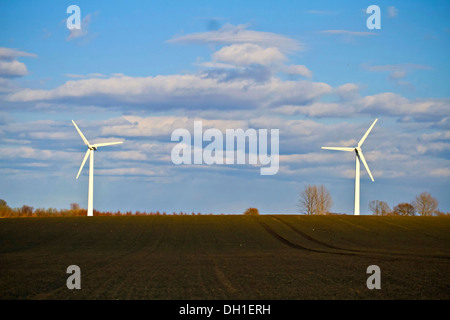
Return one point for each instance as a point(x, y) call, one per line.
point(138, 70)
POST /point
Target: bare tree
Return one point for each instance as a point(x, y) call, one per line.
point(3, 203)
point(74, 207)
point(27, 210)
point(379, 208)
point(324, 200)
point(404, 209)
point(308, 200)
point(315, 200)
point(425, 204)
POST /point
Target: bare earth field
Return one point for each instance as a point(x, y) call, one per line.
point(275, 257)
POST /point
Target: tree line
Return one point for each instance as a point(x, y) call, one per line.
point(423, 205)
point(316, 200)
point(74, 211)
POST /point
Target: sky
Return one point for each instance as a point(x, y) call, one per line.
point(138, 70)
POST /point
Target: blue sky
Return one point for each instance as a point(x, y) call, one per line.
point(138, 70)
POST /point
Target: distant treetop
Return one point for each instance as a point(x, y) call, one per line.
point(251, 212)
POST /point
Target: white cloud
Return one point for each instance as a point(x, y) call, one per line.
point(392, 11)
point(33, 153)
point(179, 91)
point(249, 53)
point(394, 104)
point(307, 158)
point(134, 171)
point(441, 172)
point(291, 128)
point(135, 126)
point(322, 12)
point(230, 34)
point(7, 85)
point(242, 77)
point(350, 33)
point(396, 67)
point(52, 135)
point(347, 91)
point(85, 76)
point(10, 66)
point(297, 70)
point(386, 103)
point(9, 54)
point(12, 69)
point(317, 109)
point(433, 147)
point(398, 74)
point(215, 64)
point(396, 71)
point(83, 31)
point(134, 155)
point(435, 136)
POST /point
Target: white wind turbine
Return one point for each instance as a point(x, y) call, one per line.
point(359, 155)
point(90, 152)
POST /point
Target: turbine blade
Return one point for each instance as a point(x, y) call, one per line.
point(88, 153)
point(365, 163)
point(339, 149)
point(367, 133)
point(106, 144)
point(81, 134)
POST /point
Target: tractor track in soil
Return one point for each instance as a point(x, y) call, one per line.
point(339, 250)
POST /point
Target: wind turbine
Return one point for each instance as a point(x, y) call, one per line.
point(359, 156)
point(90, 152)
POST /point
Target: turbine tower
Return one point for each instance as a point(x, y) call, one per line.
point(90, 152)
point(359, 156)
